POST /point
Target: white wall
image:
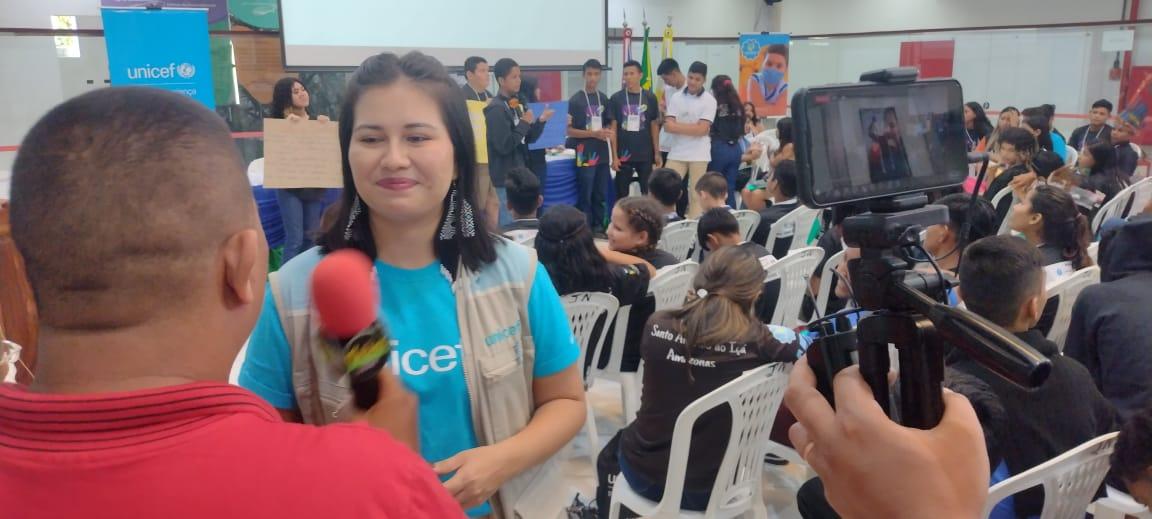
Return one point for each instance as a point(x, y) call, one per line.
point(695, 18)
point(846, 16)
point(36, 14)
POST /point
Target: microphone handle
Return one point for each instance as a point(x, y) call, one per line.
point(364, 356)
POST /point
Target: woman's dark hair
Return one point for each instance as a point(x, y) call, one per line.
point(750, 113)
point(725, 93)
point(784, 131)
point(981, 125)
point(567, 250)
point(282, 96)
point(1103, 158)
point(528, 86)
point(431, 77)
point(1063, 225)
point(1040, 122)
point(1045, 163)
point(644, 215)
point(1132, 457)
point(1021, 139)
point(731, 279)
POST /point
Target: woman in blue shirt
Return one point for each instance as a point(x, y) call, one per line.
point(410, 203)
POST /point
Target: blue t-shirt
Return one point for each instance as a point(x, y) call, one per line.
point(1061, 146)
point(419, 310)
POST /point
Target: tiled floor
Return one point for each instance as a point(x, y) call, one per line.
point(780, 483)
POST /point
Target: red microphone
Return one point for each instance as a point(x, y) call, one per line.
point(346, 299)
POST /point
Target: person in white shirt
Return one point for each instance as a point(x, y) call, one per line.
point(674, 81)
point(688, 122)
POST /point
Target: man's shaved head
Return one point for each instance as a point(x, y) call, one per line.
point(121, 201)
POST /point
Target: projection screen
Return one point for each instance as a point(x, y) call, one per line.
point(536, 33)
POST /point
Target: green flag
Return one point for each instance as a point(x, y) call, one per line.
point(645, 65)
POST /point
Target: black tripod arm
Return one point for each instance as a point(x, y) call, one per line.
point(984, 341)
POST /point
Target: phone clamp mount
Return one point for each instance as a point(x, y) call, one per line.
point(902, 307)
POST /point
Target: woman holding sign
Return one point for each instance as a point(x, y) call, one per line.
point(300, 208)
point(475, 327)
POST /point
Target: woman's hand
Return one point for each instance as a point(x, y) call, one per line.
point(323, 118)
point(294, 117)
point(858, 452)
point(479, 473)
point(547, 114)
point(1022, 184)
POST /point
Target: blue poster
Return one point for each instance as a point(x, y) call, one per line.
point(556, 129)
point(165, 48)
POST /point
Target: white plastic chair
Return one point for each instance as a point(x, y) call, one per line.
point(584, 309)
point(749, 221)
point(793, 271)
point(1139, 151)
point(678, 238)
point(1069, 480)
point(630, 382)
point(1141, 195)
point(671, 285)
point(754, 398)
point(799, 221)
point(1123, 204)
point(1073, 156)
point(256, 172)
point(1069, 289)
point(1004, 229)
point(1094, 252)
point(826, 277)
point(1118, 505)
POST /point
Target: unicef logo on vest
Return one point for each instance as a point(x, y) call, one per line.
point(171, 71)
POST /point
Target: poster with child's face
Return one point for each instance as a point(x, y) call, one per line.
point(764, 73)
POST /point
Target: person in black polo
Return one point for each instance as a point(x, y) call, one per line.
point(637, 138)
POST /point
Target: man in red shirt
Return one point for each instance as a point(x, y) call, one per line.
point(140, 234)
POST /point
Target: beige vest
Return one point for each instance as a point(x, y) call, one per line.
point(498, 355)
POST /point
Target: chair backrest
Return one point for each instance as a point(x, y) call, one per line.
point(1069, 289)
point(678, 238)
point(1094, 252)
point(799, 222)
point(1070, 480)
point(1006, 192)
point(256, 172)
point(1139, 151)
point(827, 275)
point(1073, 156)
point(793, 271)
point(749, 221)
point(670, 287)
point(584, 310)
point(754, 399)
point(1141, 195)
point(1116, 207)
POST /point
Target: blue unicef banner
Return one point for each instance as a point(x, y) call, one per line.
point(160, 48)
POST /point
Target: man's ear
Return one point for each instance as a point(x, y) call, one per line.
point(244, 268)
point(1033, 308)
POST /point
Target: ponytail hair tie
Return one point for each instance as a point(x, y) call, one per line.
point(701, 293)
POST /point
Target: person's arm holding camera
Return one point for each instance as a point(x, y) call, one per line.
point(874, 467)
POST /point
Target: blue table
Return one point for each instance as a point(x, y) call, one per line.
point(560, 184)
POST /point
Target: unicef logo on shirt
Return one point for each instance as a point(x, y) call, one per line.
point(186, 70)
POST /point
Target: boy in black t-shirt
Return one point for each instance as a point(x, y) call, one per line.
point(524, 201)
point(782, 191)
point(667, 187)
point(1003, 281)
point(637, 137)
point(718, 228)
point(590, 128)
